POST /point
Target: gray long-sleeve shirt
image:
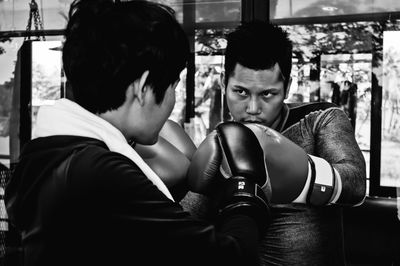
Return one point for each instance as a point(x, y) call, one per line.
point(306, 235)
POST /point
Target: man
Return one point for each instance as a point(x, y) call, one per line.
point(306, 227)
point(81, 195)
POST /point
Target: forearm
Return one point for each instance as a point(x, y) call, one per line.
point(353, 184)
point(243, 230)
point(238, 235)
point(338, 146)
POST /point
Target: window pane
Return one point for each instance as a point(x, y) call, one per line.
point(209, 47)
point(178, 113)
point(324, 57)
point(216, 11)
point(8, 57)
point(390, 151)
point(46, 82)
point(313, 8)
point(14, 14)
point(354, 99)
point(46, 75)
point(206, 10)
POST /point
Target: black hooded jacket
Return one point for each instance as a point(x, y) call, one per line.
point(77, 203)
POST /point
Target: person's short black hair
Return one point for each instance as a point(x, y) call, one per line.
point(258, 45)
point(108, 45)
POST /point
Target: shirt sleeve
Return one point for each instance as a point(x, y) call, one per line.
point(335, 142)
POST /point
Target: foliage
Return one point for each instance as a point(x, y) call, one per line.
point(351, 38)
point(44, 87)
point(2, 40)
point(5, 106)
point(5, 96)
point(211, 41)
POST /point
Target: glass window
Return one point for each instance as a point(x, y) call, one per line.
point(14, 14)
point(47, 76)
point(208, 96)
point(390, 145)
point(206, 10)
point(46, 83)
point(8, 58)
point(314, 8)
point(216, 11)
point(210, 45)
point(331, 64)
point(356, 68)
point(178, 113)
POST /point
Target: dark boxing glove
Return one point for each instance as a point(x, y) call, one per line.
point(229, 167)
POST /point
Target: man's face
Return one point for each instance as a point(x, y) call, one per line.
point(147, 119)
point(159, 113)
point(255, 95)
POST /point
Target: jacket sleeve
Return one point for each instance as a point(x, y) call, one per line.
point(335, 142)
point(144, 219)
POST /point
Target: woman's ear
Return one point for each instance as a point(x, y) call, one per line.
point(139, 88)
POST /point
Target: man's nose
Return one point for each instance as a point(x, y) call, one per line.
point(253, 106)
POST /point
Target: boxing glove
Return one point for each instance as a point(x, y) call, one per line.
point(170, 157)
point(174, 134)
point(295, 175)
point(229, 167)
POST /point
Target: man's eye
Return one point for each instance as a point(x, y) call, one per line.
point(241, 92)
point(270, 93)
point(267, 94)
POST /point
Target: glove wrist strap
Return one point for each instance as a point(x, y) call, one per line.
point(322, 182)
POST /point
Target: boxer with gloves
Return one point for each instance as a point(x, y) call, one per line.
point(81, 195)
point(314, 162)
point(170, 157)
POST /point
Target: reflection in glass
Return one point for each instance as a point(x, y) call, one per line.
point(46, 75)
point(8, 56)
point(213, 11)
point(14, 14)
point(390, 154)
point(178, 113)
point(310, 8)
point(346, 81)
point(208, 95)
point(209, 47)
point(206, 10)
point(327, 66)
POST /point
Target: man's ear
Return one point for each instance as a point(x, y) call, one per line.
point(288, 87)
point(222, 81)
point(138, 89)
